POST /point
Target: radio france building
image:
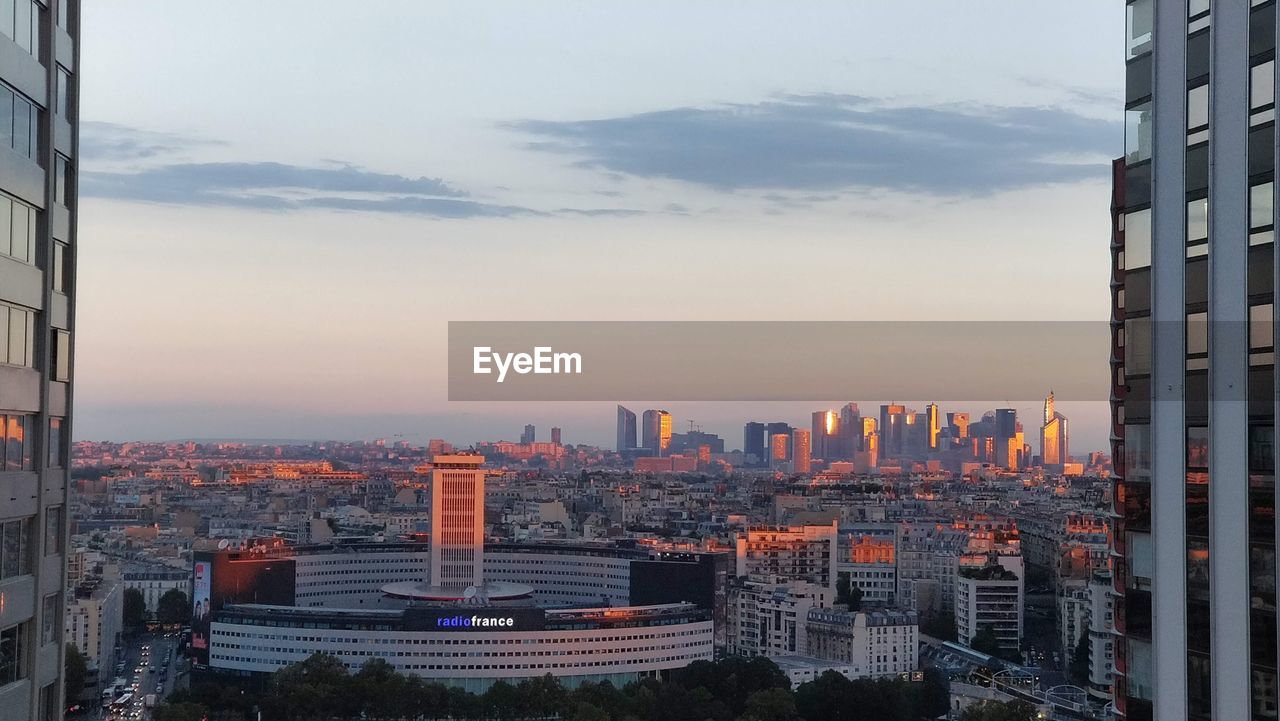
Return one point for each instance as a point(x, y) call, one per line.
point(578, 612)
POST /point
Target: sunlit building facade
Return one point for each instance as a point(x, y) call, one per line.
point(1196, 269)
point(39, 144)
point(657, 432)
point(457, 528)
point(1053, 437)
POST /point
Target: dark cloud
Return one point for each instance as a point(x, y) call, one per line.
point(101, 141)
point(830, 142)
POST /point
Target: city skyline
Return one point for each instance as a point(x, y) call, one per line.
point(268, 202)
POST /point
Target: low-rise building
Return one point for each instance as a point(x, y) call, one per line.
point(877, 643)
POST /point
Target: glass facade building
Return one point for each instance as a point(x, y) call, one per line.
point(1193, 362)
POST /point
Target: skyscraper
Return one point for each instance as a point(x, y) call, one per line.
point(959, 423)
point(893, 434)
point(626, 430)
point(801, 450)
point(1195, 222)
point(935, 425)
point(825, 433)
point(555, 436)
point(1053, 437)
point(657, 432)
point(457, 522)
point(529, 435)
point(39, 92)
point(753, 443)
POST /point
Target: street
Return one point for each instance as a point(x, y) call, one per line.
point(149, 670)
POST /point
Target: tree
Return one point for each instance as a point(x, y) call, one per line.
point(773, 704)
point(173, 608)
point(997, 711)
point(941, 626)
point(847, 593)
point(985, 641)
point(1079, 666)
point(76, 671)
point(183, 711)
point(135, 609)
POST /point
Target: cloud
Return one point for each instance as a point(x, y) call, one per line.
point(101, 141)
point(835, 142)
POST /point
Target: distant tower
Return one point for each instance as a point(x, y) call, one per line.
point(801, 450)
point(657, 432)
point(626, 430)
point(457, 522)
point(825, 435)
point(935, 425)
point(530, 434)
point(1053, 437)
point(555, 436)
point(959, 423)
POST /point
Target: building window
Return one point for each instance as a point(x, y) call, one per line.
point(17, 229)
point(57, 441)
point(53, 532)
point(1198, 107)
point(18, 122)
point(1139, 26)
point(1137, 239)
point(1197, 221)
point(1197, 7)
point(62, 99)
point(15, 548)
point(60, 268)
point(1261, 213)
point(1138, 133)
point(20, 22)
point(16, 442)
point(62, 180)
point(49, 620)
point(17, 335)
point(12, 653)
point(1262, 92)
point(61, 355)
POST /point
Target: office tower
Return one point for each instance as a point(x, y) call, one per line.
point(657, 432)
point(850, 430)
point(959, 423)
point(915, 434)
point(626, 430)
point(779, 449)
point(39, 72)
point(1199, 572)
point(753, 443)
point(457, 522)
point(530, 434)
point(893, 420)
point(1053, 437)
point(555, 436)
point(934, 419)
point(826, 436)
point(801, 450)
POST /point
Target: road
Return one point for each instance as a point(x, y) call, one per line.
point(150, 667)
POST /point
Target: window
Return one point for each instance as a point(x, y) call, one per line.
point(63, 98)
point(62, 179)
point(15, 548)
point(18, 126)
point(1197, 7)
point(1137, 348)
point(53, 530)
point(12, 653)
point(1137, 239)
point(1198, 107)
point(17, 332)
point(57, 441)
point(60, 280)
point(61, 355)
point(1197, 334)
point(49, 620)
point(1261, 331)
point(16, 442)
point(1262, 85)
point(1138, 133)
point(20, 22)
point(1198, 220)
point(1261, 213)
point(1139, 25)
point(18, 222)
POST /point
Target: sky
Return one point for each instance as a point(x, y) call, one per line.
point(283, 204)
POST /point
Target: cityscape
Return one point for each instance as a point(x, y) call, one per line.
point(238, 482)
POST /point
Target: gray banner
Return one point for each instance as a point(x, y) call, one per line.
point(777, 361)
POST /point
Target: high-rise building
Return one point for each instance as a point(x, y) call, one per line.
point(959, 423)
point(753, 444)
point(626, 430)
point(39, 144)
point(657, 432)
point(1053, 437)
point(555, 436)
point(850, 430)
point(893, 430)
point(801, 450)
point(529, 435)
point(934, 419)
point(1196, 224)
point(826, 437)
point(457, 522)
